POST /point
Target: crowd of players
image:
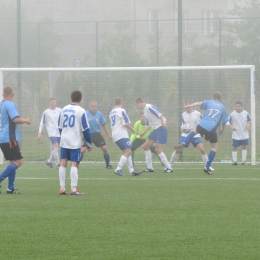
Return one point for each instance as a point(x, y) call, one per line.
point(65, 128)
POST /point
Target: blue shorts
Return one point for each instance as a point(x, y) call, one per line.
point(55, 139)
point(195, 141)
point(124, 143)
point(237, 143)
point(72, 155)
point(159, 135)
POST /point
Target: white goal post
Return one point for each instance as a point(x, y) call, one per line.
point(166, 87)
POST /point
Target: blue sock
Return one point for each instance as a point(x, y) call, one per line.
point(188, 138)
point(11, 179)
point(211, 157)
point(10, 169)
point(107, 158)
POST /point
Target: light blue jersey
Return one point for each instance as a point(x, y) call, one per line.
point(9, 131)
point(215, 114)
point(95, 121)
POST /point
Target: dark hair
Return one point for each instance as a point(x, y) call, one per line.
point(238, 103)
point(8, 91)
point(217, 95)
point(76, 96)
point(139, 100)
point(118, 101)
point(52, 98)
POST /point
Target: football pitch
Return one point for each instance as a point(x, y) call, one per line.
point(186, 214)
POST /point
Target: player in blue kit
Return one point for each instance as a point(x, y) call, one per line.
point(95, 120)
point(215, 114)
point(9, 138)
point(72, 124)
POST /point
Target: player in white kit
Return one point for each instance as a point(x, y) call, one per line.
point(50, 119)
point(240, 121)
point(119, 124)
point(72, 124)
point(155, 118)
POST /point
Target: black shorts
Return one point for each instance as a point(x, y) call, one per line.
point(137, 143)
point(11, 151)
point(96, 138)
point(209, 136)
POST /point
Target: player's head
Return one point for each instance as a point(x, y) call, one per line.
point(52, 102)
point(139, 103)
point(76, 96)
point(118, 101)
point(217, 95)
point(8, 93)
point(188, 109)
point(238, 106)
point(142, 118)
point(93, 106)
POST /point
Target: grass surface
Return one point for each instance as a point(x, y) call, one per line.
point(182, 215)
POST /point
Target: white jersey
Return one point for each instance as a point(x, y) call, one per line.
point(193, 119)
point(73, 121)
point(239, 121)
point(152, 115)
point(50, 119)
point(118, 119)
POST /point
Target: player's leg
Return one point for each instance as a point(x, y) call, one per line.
point(213, 139)
point(83, 149)
point(56, 158)
point(148, 155)
point(12, 153)
point(235, 145)
point(244, 144)
point(152, 148)
point(106, 156)
point(64, 156)
point(74, 158)
point(136, 144)
point(176, 152)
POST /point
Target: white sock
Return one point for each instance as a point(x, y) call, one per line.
point(55, 153)
point(122, 162)
point(173, 158)
point(234, 156)
point(164, 160)
point(148, 158)
point(51, 157)
point(205, 158)
point(244, 155)
point(74, 178)
point(62, 177)
point(130, 164)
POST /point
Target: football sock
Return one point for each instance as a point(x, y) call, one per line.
point(148, 158)
point(122, 162)
point(133, 156)
point(10, 169)
point(211, 158)
point(56, 154)
point(173, 158)
point(234, 156)
point(74, 178)
point(164, 160)
point(205, 158)
point(51, 157)
point(152, 148)
point(244, 155)
point(130, 164)
point(107, 158)
point(62, 176)
point(11, 179)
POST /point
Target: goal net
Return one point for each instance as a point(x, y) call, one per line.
point(168, 88)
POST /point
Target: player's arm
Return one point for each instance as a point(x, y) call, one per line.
point(19, 120)
point(107, 131)
point(134, 135)
point(41, 127)
point(248, 125)
point(194, 104)
point(145, 131)
point(86, 134)
point(163, 122)
point(130, 127)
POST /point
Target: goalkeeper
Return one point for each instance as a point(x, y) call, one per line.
point(137, 141)
point(191, 117)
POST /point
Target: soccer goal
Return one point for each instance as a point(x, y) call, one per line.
point(168, 88)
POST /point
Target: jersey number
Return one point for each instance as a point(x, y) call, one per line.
point(213, 112)
point(69, 121)
point(113, 118)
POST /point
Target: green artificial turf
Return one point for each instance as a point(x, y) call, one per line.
point(182, 215)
